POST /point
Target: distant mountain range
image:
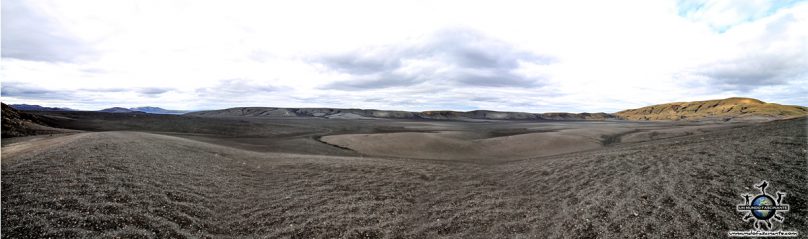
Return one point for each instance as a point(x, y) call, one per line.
point(332, 113)
point(158, 110)
point(117, 110)
point(38, 108)
point(736, 108)
point(144, 109)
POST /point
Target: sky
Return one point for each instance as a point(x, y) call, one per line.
point(529, 56)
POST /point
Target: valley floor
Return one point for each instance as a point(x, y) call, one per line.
point(135, 184)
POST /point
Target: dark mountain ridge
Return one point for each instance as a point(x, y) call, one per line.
point(157, 110)
point(117, 110)
point(38, 108)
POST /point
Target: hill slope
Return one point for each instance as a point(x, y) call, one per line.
point(735, 108)
point(16, 123)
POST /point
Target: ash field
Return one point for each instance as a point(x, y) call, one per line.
point(134, 175)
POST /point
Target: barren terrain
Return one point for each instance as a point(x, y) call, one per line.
point(130, 175)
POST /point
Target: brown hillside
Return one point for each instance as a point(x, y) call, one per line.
point(724, 109)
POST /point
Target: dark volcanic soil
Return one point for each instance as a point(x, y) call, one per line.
point(134, 184)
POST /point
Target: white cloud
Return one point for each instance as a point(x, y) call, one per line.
point(606, 55)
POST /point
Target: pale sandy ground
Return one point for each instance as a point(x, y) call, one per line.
point(465, 144)
point(143, 185)
point(454, 146)
point(12, 147)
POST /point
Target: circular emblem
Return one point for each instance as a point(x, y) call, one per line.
point(763, 200)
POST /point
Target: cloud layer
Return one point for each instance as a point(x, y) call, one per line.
point(520, 56)
point(29, 34)
point(451, 57)
point(769, 54)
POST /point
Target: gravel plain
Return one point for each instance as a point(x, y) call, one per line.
point(160, 184)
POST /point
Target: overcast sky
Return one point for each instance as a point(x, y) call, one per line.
point(573, 56)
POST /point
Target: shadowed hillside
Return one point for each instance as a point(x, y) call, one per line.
point(16, 123)
point(735, 108)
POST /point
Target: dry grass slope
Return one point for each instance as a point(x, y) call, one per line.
point(724, 109)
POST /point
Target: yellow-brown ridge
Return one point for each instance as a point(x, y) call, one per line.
point(729, 108)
